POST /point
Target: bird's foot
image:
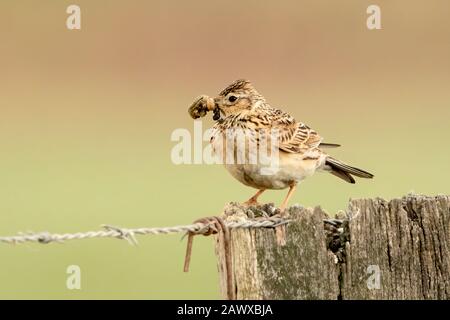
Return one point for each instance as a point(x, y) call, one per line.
point(251, 203)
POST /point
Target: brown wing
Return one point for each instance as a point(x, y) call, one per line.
point(294, 137)
point(298, 138)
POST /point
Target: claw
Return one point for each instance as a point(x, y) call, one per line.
point(251, 203)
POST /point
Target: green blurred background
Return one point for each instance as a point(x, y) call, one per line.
point(86, 118)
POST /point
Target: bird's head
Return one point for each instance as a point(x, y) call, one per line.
point(237, 97)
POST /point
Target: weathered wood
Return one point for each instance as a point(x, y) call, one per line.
point(302, 269)
point(408, 239)
point(381, 250)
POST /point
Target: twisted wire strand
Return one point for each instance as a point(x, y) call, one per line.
point(129, 234)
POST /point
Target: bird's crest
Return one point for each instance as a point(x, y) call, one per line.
point(237, 85)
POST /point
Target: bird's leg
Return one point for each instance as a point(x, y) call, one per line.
point(288, 196)
point(253, 201)
point(280, 231)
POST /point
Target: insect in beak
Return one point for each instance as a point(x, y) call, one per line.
point(216, 114)
point(201, 106)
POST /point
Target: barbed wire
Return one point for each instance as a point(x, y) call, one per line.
point(130, 234)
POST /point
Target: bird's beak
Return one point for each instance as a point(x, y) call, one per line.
point(216, 102)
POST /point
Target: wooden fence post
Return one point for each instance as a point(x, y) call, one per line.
point(378, 250)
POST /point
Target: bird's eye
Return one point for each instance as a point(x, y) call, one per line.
point(232, 98)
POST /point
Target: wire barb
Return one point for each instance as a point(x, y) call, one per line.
point(204, 226)
point(126, 234)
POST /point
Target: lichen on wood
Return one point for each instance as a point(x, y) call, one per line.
point(379, 249)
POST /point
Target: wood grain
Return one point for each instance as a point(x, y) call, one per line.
point(407, 240)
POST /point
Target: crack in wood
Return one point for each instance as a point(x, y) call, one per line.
point(407, 238)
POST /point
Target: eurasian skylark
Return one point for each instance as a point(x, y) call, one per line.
point(241, 108)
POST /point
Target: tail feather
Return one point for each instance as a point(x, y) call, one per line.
point(344, 171)
point(343, 175)
point(329, 145)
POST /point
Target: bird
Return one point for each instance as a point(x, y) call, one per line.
point(298, 148)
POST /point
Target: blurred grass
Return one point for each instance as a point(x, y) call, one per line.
point(122, 175)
